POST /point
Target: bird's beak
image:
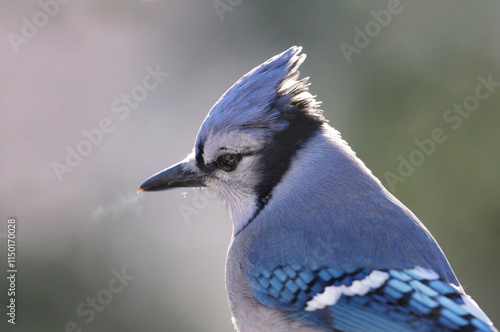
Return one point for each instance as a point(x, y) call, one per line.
point(175, 176)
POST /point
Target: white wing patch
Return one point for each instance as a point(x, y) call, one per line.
point(332, 294)
point(376, 279)
point(425, 273)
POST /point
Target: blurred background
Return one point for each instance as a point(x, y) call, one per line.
point(95, 96)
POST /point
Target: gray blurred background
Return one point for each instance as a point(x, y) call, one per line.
point(65, 68)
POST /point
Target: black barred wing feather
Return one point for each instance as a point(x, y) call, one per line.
point(368, 300)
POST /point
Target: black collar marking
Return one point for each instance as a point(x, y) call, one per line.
point(277, 158)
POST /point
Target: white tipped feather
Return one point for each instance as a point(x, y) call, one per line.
point(332, 294)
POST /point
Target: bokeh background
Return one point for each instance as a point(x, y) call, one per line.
point(61, 78)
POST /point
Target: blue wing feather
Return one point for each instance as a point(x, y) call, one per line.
point(407, 300)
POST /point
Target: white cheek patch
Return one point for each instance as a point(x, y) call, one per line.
point(236, 189)
point(332, 294)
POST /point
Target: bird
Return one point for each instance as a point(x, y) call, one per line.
point(318, 243)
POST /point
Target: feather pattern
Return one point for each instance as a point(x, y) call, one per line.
point(403, 300)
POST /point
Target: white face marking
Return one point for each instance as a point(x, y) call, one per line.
point(235, 188)
point(332, 294)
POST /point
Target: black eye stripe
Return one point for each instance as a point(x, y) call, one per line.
point(214, 164)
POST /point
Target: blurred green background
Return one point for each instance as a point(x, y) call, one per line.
point(62, 76)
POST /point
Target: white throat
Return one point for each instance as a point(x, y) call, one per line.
point(241, 207)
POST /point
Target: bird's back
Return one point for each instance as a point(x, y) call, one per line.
point(328, 197)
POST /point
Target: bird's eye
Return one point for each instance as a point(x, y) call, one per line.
point(228, 162)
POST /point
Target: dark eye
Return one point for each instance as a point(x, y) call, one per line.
point(228, 162)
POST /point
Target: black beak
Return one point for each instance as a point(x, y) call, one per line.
point(175, 176)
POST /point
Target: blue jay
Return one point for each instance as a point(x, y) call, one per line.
point(318, 243)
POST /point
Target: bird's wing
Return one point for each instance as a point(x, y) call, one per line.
point(367, 299)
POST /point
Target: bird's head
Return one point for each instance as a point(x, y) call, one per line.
point(249, 138)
